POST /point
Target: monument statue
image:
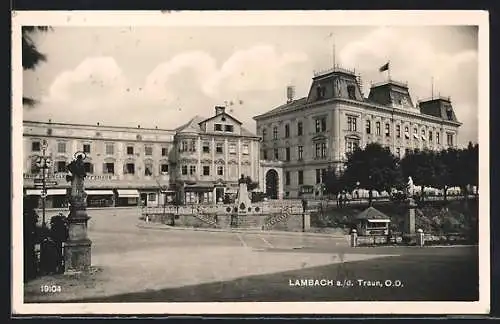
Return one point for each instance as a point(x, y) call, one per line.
point(77, 249)
point(410, 186)
point(243, 199)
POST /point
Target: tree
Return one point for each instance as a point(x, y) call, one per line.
point(31, 56)
point(422, 167)
point(374, 167)
point(251, 185)
point(332, 182)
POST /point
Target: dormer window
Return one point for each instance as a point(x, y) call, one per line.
point(320, 92)
point(229, 128)
point(351, 92)
point(218, 127)
point(449, 113)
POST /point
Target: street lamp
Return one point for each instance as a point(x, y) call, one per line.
point(44, 163)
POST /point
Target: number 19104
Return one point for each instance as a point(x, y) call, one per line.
point(50, 288)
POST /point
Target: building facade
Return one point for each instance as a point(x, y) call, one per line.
point(198, 162)
point(316, 132)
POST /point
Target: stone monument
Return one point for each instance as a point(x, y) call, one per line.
point(243, 201)
point(77, 253)
point(410, 219)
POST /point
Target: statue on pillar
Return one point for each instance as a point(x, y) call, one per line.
point(77, 249)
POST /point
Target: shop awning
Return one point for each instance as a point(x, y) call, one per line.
point(50, 192)
point(34, 192)
point(99, 192)
point(128, 193)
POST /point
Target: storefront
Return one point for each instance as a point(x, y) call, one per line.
point(56, 198)
point(198, 194)
point(150, 198)
point(100, 198)
point(128, 197)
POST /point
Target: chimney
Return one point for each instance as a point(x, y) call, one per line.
point(219, 110)
point(290, 93)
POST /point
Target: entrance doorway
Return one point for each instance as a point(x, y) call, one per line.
point(219, 194)
point(272, 184)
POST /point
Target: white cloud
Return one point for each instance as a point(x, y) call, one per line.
point(414, 60)
point(189, 83)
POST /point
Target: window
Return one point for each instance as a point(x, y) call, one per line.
point(415, 133)
point(276, 154)
point(287, 178)
point(287, 154)
point(264, 134)
point(184, 146)
point(109, 168)
point(318, 175)
point(61, 147)
point(300, 152)
point(423, 135)
point(192, 146)
point(164, 151)
point(430, 136)
point(351, 145)
point(164, 168)
point(407, 134)
point(184, 170)
point(148, 169)
point(320, 150)
point(398, 131)
point(407, 151)
point(86, 148)
point(264, 154)
point(398, 152)
point(320, 92)
point(438, 139)
point(192, 169)
point(232, 148)
point(377, 128)
point(351, 92)
point(368, 127)
point(219, 148)
point(206, 147)
point(387, 129)
point(35, 146)
point(351, 123)
point(300, 129)
point(229, 128)
point(130, 150)
point(220, 170)
point(130, 168)
point(300, 177)
point(320, 124)
point(148, 150)
point(61, 166)
point(449, 113)
point(151, 197)
point(275, 132)
point(110, 149)
point(206, 170)
point(287, 131)
point(244, 149)
point(89, 168)
point(449, 139)
point(218, 127)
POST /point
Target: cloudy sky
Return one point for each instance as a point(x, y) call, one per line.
point(162, 76)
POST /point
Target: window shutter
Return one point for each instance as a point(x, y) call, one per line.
point(104, 169)
point(91, 168)
point(124, 168)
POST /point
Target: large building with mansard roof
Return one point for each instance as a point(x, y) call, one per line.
point(200, 161)
point(312, 133)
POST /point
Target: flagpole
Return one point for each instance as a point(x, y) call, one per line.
point(432, 88)
point(389, 70)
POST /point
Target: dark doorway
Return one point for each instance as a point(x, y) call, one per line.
point(272, 184)
point(219, 194)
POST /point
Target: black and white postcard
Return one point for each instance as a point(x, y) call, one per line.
point(294, 162)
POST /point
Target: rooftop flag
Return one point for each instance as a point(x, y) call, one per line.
point(384, 67)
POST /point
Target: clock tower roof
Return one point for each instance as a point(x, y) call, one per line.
point(391, 93)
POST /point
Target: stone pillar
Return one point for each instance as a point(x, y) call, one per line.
point(420, 237)
point(77, 251)
point(410, 219)
point(354, 238)
point(306, 222)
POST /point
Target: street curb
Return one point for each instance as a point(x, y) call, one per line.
point(283, 233)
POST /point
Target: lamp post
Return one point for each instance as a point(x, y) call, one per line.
point(44, 163)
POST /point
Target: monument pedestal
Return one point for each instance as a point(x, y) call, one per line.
point(410, 217)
